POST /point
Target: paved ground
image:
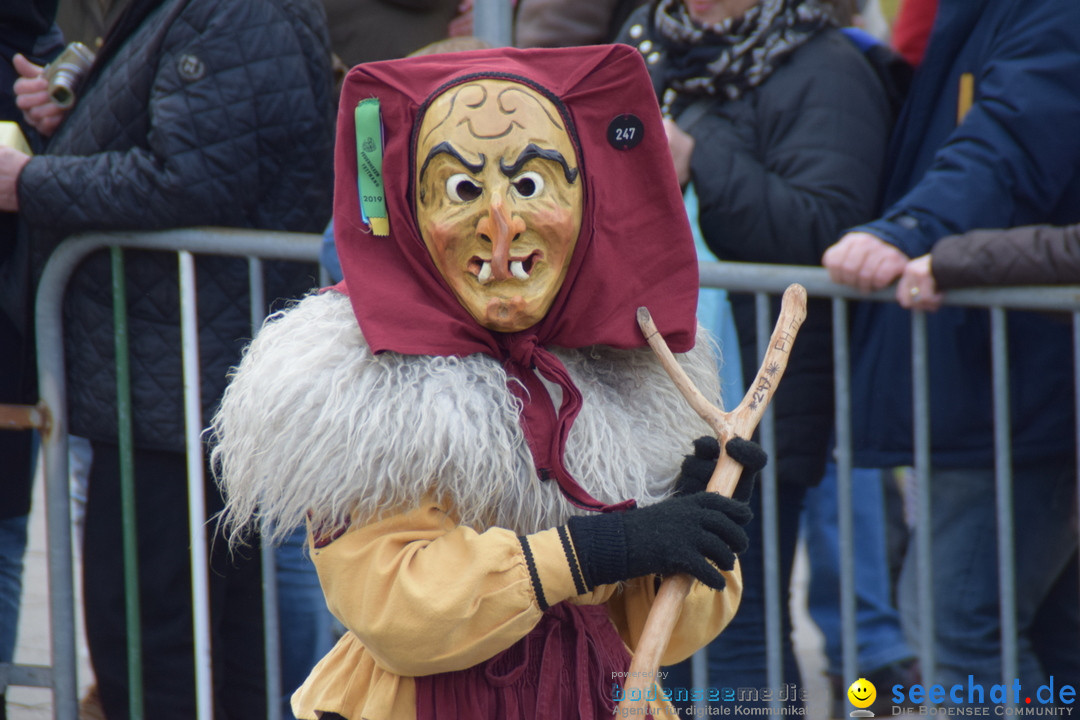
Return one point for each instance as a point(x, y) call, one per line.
point(33, 642)
point(809, 644)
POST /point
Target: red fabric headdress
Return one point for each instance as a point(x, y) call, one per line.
point(635, 247)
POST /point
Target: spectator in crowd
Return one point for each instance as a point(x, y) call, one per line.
point(307, 630)
point(911, 29)
point(1032, 255)
point(863, 14)
point(194, 112)
point(562, 23)
point(385, 29)
point(983, 142)
point(883, 656)
point(781, 125)
point(26, 28)
point(87, 21)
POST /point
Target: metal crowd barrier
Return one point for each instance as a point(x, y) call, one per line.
point(53, 392)
point(762, 280)
point(766, 280)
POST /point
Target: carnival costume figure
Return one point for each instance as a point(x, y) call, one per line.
point(485, 451)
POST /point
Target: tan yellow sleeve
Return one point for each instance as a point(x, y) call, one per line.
point(425, 595)
point(705, 614)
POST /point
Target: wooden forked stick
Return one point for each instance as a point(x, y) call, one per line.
point(739, 422)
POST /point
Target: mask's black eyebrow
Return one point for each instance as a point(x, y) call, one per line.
point(448, 149)
point(534, 151)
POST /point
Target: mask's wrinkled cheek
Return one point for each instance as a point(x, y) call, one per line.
point(450, 252)
point(559, 228)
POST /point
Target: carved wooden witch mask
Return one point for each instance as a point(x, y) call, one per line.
point(498, 199)
point(530, 202)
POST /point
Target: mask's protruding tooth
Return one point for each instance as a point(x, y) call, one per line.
point(485, 272)
point(517, 269)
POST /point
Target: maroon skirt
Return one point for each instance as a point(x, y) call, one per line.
point(564, 668)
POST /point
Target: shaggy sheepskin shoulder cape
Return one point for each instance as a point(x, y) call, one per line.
point(315, 426)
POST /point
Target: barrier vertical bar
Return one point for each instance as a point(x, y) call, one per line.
point(493, 21)
point(128, 512)
point(52, 388)
point(61, 572)
point(271, 619)
point(1003, 483)
point(923, 531)
point(200, 594)
point(61, 563)
point(770, 525)
point(1076, 393)
point(845, 506)
point(699, 677)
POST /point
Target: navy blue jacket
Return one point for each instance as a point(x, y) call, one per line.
point(1013, 159)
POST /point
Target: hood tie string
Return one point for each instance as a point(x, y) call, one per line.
point(546, 430)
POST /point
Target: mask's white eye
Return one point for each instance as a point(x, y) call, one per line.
point(528, 184)
point(462, 188)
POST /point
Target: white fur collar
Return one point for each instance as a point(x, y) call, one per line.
point(313, 423)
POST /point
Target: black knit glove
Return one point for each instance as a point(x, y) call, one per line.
point(698, 468)
point(680, 534)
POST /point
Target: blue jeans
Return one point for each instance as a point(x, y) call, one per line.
point(308, 630)
point(80, 457)
point(965, 576)
point(12, 549)
point(737, 659)
point(879, 637)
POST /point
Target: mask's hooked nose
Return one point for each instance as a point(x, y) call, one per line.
point(500, 228)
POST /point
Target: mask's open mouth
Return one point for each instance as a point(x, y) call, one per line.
point(520, 268)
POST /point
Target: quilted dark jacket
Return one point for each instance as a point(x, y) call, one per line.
point(211, 113)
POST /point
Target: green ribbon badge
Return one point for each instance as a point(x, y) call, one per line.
point(369, 157)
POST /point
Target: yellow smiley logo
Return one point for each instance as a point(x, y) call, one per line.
point(862, 693)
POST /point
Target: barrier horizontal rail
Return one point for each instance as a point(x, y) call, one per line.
point(305, 247)
point(772, 279)
point(24, 417)
point(40, 676)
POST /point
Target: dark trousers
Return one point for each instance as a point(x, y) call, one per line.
point(17, 387)
point(235, 588)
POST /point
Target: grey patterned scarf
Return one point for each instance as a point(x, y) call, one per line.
point(729, 58)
